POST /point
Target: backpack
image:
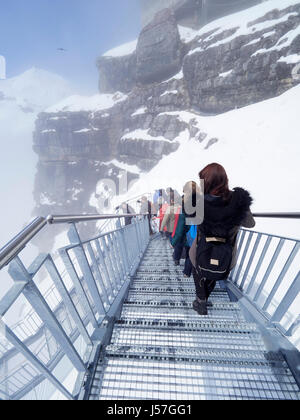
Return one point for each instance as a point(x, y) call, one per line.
point(213, 258)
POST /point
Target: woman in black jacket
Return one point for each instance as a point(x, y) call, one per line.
point(225, 212)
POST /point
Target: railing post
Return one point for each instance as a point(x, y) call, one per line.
point(269, 269)
point(139, 244)
point(101, 257)
point(78, 286)
point(86, 269)
point(259, 264)
point(123, 246)
point(115, 257)
point(281, 275)
point(145, 232)
point(244, 255)
point(288, 299)
point(258, 239)
point(111, 269)
point(98, 273)
point(57, 280)
point(241, 241)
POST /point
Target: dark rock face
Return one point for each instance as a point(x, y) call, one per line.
point(194, 13)
point(72, 135)
point(159, 49)
point(117, 73)
point(137, 149)
point(78, 149)
point(158, 56)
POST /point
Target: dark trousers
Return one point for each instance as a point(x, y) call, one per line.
point(178, 250)
point(204, 288)
point(188, 266)
point(150, 227)
point(178, 254)
point(166, 235)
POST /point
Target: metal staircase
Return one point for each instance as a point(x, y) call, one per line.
point(111, 318)
point(162, 349)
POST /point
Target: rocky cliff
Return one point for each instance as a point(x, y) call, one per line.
point(230, 63)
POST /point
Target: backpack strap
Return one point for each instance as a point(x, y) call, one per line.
point(222, 240)
point(198, 235)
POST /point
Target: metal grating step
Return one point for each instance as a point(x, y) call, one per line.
point(172, 301)
point(162, 380)
point(166, 280)
point(156, 337)
point(177, 313)
point(159, 257)
point(169, 289)
point(160, 260)
point(163, 272)
point(186, 297)
point(210, 356)
point(202, 324)
point(171, 304)
point(161, 264)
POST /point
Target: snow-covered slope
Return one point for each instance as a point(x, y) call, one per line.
point(21, 99)
point(122, 50)
point(98, 102)
point(259, 147)
point(242, 21)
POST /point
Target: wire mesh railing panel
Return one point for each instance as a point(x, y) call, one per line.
point(267, 272)
point(62, 304)
point(45, 390)
point(16, 374)
point(17, 379)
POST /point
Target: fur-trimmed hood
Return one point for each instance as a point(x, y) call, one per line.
point(220, 216)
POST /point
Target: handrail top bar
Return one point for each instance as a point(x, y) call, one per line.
point(284, 215)
point(19, 242)
point(264, 234)
point(15, 246)
point(87, 218)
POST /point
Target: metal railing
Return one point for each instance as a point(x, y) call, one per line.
point(286, 215)
point(68, 315)
point(133, 202)
point(267, 273)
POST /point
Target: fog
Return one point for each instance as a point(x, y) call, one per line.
point(63, 38)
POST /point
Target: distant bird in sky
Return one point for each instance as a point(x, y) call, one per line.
point(61, 49)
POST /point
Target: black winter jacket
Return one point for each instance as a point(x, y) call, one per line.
point(222, 217)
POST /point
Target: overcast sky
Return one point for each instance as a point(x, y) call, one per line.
point(32, 30)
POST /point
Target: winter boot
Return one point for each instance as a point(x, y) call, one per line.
point(200, 306)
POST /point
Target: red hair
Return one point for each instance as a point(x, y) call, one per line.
point(215, 181)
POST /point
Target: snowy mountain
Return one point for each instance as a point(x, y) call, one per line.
point(21, 99)
point(35, 89)
point(227, 92)
point(259, 147)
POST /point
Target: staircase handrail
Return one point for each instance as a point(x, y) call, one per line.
point(19, 242)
